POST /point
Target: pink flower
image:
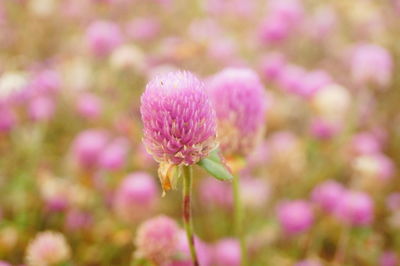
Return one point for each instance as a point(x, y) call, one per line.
point(114, 155)
point(371, 63)
point(103, 37)
point(295, 216)
point(41, 108)
point(272, 66)
point(327, 195)
point(89, 106)
point(227, 252)
point(214, 192)
point(240, 104)
point(157, 239)
point(143, 28)
point(178, 118)
point(47, 248)
point(355, 208)
point(8, 118)
point(88, 146)
point(135, 197)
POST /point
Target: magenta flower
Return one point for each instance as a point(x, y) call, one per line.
point(355, 208)
point(227, 252)
point(157, 239)
point(371, 64)
point(179, 122)
point(135, 197)
point(295, 216)
point(103, 37)
point(87, 147)
point(47, 248)
point(328, 194)
point(240, 103)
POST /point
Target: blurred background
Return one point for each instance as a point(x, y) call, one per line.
point(76, 182)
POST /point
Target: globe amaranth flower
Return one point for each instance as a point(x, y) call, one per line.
point(157, 239)
point(179, 121)
point(47, 248)
point(295, 216)
point(135, 197)
point(240, 104)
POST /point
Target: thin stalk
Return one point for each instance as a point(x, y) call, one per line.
point(187, 211)
point(238, 219)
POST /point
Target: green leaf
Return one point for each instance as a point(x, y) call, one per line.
point(215, 166)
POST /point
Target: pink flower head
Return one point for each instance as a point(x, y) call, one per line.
point(114, 155)
point(312, 82)
point(88, 146)
point(324, 129)
point(273, 29)
point(240, 103)
point(355, 208)
point(182, 254)
point(8, 118)
point(308, 262)
point(46, 81)
point(143, 28)
point(157, 239)
point(213, 192)
point(254, 192)
point(178, 118)
point(291, 77)
point(41, 108)
point(227, 252)
point(272, 66)
point(389, 258)
point(78, 220)
point(327, 195)
point(47, 248)
point(291, 11)
point(365, 143)
point(103, 37)
point(4, 263)
point(371, 64)
point(295, 216)
point(393, 201)
point(136, 196)
point(89, 106)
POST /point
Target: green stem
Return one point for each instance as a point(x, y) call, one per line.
point(238, 219)
point(187, 211)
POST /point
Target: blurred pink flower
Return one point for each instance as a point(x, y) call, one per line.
point(113, 157)
point(41, 108)
point(355, 208)
point(227, 252)
point(143, 28)
point(8, 118)
point(103, 37)
point(272, 65)
point(327, 195)
point(371, 63)
point(47, 248)
point(89, 106)
point(295, 216)
point(88, 146)
point(215, 193)
point(157, 239)
point(389, 258)
point(240, 103)
point(135, 197)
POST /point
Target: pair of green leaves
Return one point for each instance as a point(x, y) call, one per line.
point(215, 165)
